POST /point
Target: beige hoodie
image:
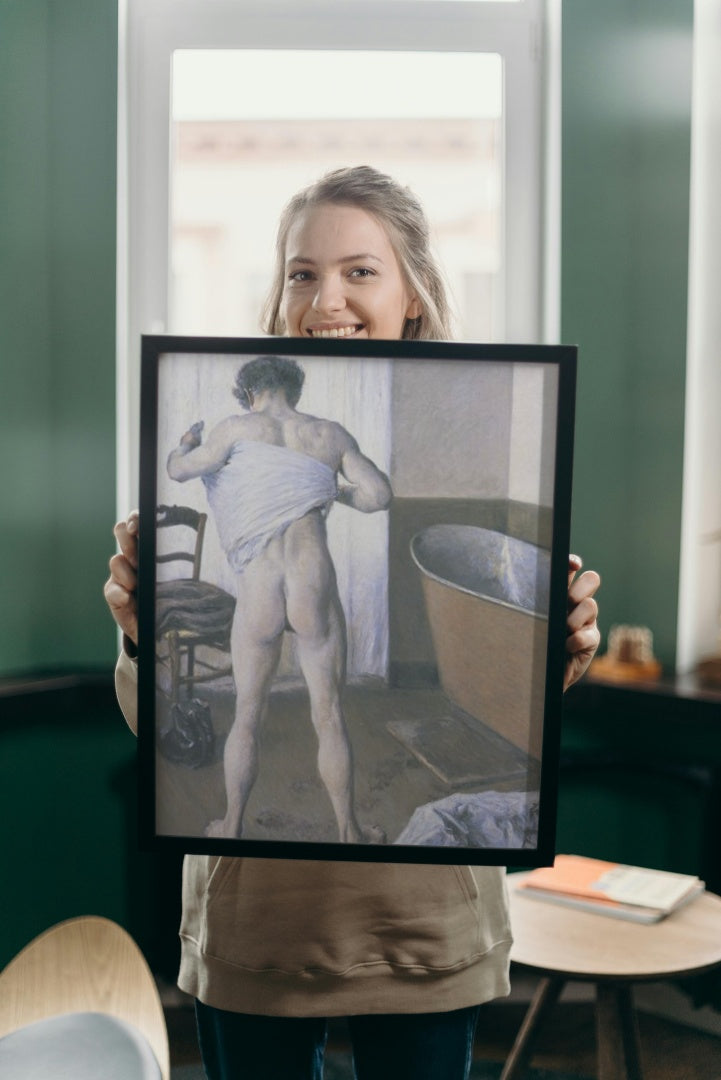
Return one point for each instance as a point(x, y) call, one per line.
point(293, 938)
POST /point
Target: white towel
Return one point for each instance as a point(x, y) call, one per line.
point(260, 491)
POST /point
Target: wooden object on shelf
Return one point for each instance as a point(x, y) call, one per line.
point(709, 671)
point(629, 657)
point(618, 671)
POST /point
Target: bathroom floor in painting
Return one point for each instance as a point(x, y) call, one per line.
point(410, 748)
point(460, 750)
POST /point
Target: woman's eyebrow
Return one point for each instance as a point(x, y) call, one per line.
point(361, 257)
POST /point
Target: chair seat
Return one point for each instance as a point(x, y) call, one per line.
point(78, 1046)
point(194, 608)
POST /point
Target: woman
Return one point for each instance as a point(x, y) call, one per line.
point(271, 948)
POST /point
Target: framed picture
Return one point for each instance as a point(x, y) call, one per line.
point(352, 597)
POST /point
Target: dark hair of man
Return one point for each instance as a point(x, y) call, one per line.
point(269, 373)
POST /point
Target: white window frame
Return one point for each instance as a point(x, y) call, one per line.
point(699, 596)
point(526, 34)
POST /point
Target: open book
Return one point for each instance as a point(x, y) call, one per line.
point(608, 888)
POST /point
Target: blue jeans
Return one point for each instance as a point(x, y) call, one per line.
point(414, 1046)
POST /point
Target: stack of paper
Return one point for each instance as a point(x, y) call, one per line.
point(624, 892)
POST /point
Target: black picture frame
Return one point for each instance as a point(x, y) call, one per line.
point(453, 667)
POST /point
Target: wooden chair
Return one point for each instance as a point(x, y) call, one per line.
point(86, 989)
point(190, 612)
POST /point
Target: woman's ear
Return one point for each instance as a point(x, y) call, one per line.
point(415, 309)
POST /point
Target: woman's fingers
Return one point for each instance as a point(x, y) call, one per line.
point(121, 587)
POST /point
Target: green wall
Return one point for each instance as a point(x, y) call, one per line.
point(68, 800)
point(625, 200)
point(58, 73)
point(67, 772)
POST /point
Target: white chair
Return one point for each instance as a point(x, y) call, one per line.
point(80, 1002)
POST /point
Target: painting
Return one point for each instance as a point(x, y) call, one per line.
point(352, 599)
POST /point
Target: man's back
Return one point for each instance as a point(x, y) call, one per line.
point(324, 440)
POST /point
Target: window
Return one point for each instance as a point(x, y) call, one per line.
point(237, 156)
point(227, 107)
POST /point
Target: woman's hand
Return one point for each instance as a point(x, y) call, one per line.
point(121, 587)
point(583, 635)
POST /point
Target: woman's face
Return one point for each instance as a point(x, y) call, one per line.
point(342, 277)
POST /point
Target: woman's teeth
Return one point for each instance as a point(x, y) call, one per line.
point(336, 332)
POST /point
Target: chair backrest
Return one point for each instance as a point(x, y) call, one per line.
point(87, 964)
point(173, 516)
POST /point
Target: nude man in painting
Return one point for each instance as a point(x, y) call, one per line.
point(271, 476)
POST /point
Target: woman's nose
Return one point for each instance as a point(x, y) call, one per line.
point(329, 296)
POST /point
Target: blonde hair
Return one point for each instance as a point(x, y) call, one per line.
point(403, 217)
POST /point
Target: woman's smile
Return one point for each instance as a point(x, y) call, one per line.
point(335, 331)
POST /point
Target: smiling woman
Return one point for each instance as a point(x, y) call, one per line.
point(353, 259)
point(336, 294)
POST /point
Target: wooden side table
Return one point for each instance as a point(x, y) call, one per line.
point(562, 944)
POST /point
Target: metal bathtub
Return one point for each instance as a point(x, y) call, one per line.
point(486, 597)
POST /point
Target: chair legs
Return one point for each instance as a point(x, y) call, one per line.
point(175, 666)
point(186, 669)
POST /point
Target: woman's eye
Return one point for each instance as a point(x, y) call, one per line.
point(300, 276)
point(362, 272)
